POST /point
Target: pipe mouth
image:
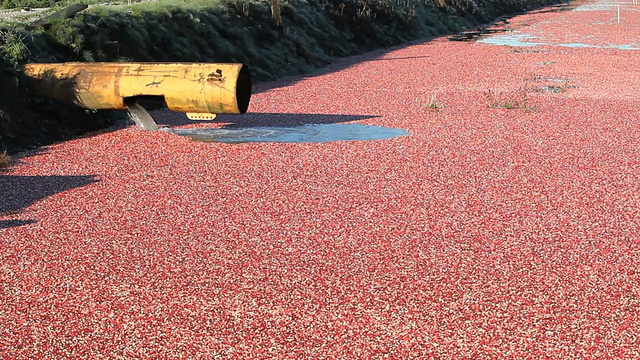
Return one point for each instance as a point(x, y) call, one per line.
point(149, 102)
point(243, 89)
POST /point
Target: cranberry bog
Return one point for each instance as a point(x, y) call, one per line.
point(483, 205)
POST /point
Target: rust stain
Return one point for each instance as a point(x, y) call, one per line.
point(154, 83)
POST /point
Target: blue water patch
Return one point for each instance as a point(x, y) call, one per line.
point(622, 47)
point(577, 45)
point(309, 133)
point(595, 7)
point(511, 40)
point(518, 39)
point(583, 45)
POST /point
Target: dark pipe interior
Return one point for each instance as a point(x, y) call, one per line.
point(149, 102)
point(243, 89)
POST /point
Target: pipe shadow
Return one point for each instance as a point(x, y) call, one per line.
point(19, 192)
point(261, 119)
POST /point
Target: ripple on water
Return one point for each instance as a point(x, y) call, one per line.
point(308, 133)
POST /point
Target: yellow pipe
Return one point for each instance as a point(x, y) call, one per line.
point(186, 87)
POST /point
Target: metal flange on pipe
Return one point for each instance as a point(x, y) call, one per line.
point(201, 90)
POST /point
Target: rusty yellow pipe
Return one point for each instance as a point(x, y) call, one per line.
point(186, 87)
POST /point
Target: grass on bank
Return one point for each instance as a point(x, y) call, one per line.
point(13, 47)
point(5, 160)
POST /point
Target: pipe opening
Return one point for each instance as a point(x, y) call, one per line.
point(243, 89)
point(149, 102)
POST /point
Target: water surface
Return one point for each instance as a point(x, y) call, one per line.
point(308, 133)
point(521, 40)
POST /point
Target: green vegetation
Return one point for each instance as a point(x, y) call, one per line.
point(433, 103)
point(553, 85)
point(313, 33)
point(5, 159)
point(22, 4)
point(12, 47)
point(519, 100)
